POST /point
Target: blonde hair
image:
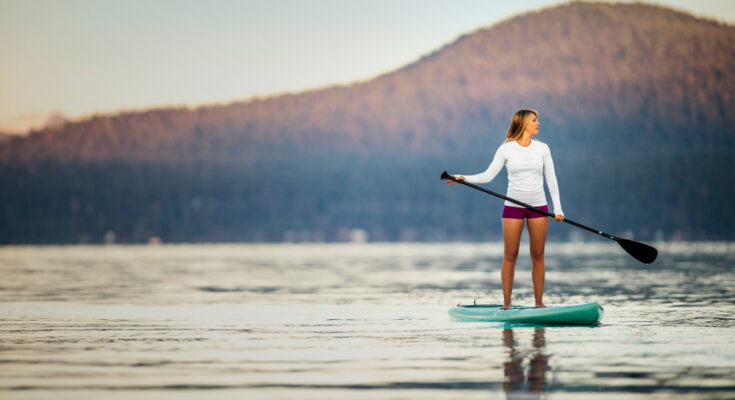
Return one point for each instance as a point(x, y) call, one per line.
point(518, 124)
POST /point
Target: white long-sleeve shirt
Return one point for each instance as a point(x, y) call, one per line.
point(527, 167)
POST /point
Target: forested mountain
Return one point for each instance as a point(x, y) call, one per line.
point(635, 104)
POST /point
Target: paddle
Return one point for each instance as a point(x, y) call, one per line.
point(640, 251)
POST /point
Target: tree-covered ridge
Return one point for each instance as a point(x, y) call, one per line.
point(635, 105)
point(4, 137)
point(576, 63)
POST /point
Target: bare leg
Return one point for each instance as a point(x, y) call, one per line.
point(537, 228)
point(512, 229)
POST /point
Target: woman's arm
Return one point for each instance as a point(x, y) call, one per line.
point(491, 172)
point(551, 182)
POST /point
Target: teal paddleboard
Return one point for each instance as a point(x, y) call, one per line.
point(581, 314)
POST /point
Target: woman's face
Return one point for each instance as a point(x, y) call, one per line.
point(532, 126)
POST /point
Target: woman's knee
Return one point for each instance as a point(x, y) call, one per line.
point(537, 254)
point(510, 255)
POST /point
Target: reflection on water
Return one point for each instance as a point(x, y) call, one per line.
point(359, 321)
point(519, 377)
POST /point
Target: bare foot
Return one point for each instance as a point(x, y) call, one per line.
point(505, 307)
point(540, 305)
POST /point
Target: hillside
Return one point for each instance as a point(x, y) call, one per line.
point(4, 137)
point(576, 63)
point(635, 103)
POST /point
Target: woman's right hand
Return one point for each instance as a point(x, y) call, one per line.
point(452, 183)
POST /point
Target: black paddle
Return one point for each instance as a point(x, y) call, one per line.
point(640, 251)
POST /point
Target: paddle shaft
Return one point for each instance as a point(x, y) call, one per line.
point(548, 214)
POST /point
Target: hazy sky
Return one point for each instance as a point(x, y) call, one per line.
point(78, 57)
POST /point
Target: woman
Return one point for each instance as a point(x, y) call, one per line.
point(528, 161)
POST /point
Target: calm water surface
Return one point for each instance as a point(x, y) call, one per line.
point(359, 321)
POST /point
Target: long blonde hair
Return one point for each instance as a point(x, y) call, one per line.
point(518, 124)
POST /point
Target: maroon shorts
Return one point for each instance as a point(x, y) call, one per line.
point(523, 212)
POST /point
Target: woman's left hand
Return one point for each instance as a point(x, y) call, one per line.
point(558, 217)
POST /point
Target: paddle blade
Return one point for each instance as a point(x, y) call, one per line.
point(640, 251)
point(445, 175)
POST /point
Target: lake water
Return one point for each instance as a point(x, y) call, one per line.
point(319, 321)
